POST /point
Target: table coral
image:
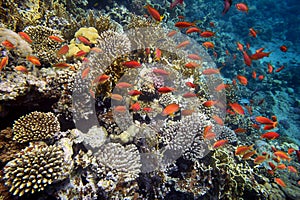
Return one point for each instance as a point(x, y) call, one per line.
point(35, 126)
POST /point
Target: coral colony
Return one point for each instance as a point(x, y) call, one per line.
point(103, 100)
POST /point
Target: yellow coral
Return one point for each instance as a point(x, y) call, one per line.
point(90, 33)
point(74, 48)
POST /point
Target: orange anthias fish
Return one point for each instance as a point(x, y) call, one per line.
point(183, 44)
point(63, 50)
point(165, 89)
point(254, 74)
point(237, 108)
point(154, 13)
point(218, 120)
point(101, 79)
point(135, 107)
point(211, 71)
point(80, 54)
point(247, 59)
point(281, 166)
point(253, 32)
point(85, 72)
point(209, 103)
point(242, 79)
point(123, 85)
point(279, 69)
point(282, 155)
point(260, 55)
point(134, 93)
point(240, 130)
point(84, 40)
point(259, 159)
point(21, 69)
point(184, 24)
point(292, 169)
point(3, 62)
point(207, 34)
point(280, 182)
point(25, 37)
point(270, 68)
point(170, 109)
point(193, 30)
point(189, 95)
point(270, 135)
point(283, 48)
point(192, 65)
point(116, 97)
point(242, 7)
point(263, 120)
point(208, 45)
point(194, 57)
point(172, 33)
point(55, 38)
point(291, 150)
point(131, 64)
point(160, 72)
point(219, 143)
point(34, 60)
point(241, 150)
point(248, 155)
point(8, 45)
point(220, 87)
point(240, 46)
point(120, 109)
point(175, 3)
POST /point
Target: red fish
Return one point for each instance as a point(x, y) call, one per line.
point(254, 75)
point(253, 32)
point(154, 13)
point(183, 44)
point(227, 5)
point(175, 3)
point(170, 109)
point(292, 169)
point(85, 72)
point(80, 54)
point(242, 79)
point(242, 7)
point(34, 60)
point(171, 33)
point(291, 150)
point(270, 68)
point(207, 34)
point(279, 69)
point(131, 64)
point(270, 135)
point(209, 103)
point(21, 69)
point(259, 159)
point(247, 59)
point(61, 65)
point(237, 108)
point(261, 77)
point(160, 72)
point(260, 55)
point(189, 95)
point(120, 109)
point(240, 130)
point(134, 92)
point(241, 150)
point(116, 97)
point(8, 45)
point(218, 120)
point(283, 48)
point(101, 79)
point(240, 47)
point(55, 38)
point(192, 65)
point(165, 89)
point(193, 30)
point(282, 155)
point(219, 143)
point(194, 57)
point(84, 40)
point(184, 24)
point(190, 84)
point(220, 87)
point(123, 85)
point(3, 62)
point(208, 45)
point(210, 71)
point(263, 120)
point(280, 182)
point(63, 50)
point(157, 54)
point(25, 37)
point(135, 107)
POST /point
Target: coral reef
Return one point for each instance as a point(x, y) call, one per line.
point(34, 168)
point(35, 126)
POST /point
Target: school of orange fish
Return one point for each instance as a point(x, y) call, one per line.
point(276, 160)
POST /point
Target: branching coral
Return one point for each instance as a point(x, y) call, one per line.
point(34, 168)
point(35, 126)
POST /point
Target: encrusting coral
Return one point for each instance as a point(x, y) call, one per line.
point(34, 168)
point(35, 126)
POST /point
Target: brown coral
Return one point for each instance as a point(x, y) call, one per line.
point(35, 126)
point(34, 168)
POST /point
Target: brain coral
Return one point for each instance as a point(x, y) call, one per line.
point(35, 126)
point(34, 168)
